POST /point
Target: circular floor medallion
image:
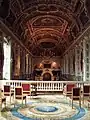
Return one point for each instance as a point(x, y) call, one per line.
point(59, 111)
point(49, 107)
point(46, 108)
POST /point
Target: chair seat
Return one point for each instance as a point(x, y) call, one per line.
point(26, 92)
point(8, 94)
point(86, 95)
point(76, 98)
point(24, 97)
point(69, 94)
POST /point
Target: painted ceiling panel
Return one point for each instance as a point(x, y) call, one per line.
point(46, 25)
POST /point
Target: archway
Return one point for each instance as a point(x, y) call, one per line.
point(46, 76)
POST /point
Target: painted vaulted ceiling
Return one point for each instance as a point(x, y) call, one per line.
point(46, 25)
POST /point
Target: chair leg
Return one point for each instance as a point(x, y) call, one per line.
point(22, 101)
point(72, 103)
point(83, 99)
point(13, 97)
point(1, 106)
point(30, 95)
point(88, 104)
point(10, 99)
point(25, 101)
point(66, 96)
point(5, 103)
point(80, 103)
point(15, 103)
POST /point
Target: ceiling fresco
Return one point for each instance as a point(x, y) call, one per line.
point(42, 25)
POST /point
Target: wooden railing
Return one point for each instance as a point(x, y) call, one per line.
point(42, 85)
point(49, 86)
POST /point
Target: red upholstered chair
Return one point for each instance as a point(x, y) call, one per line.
point(76, 95)
point(26, 89)
point(19, 94)
point(7, 91)
point(86, 92)
point(68, 89)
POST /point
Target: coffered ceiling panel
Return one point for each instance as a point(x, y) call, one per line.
point(46, 25)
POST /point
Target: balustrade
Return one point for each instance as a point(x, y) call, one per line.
point(42, 85)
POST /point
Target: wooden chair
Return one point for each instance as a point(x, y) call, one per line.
point(86, 92)
point(2, 99)
point(68, 89)
point(19, 94)
point(7, 91)
point(76, 95)
point(26, 89)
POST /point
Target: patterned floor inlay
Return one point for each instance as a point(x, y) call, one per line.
point(48, 107)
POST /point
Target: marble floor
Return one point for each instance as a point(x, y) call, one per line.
point(45, 107)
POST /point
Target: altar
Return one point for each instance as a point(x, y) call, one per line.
point(47, 74)
point(47, 71)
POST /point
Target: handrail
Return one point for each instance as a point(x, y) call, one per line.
point(27, 81)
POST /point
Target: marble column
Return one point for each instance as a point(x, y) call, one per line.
point(1, 55)
point(27, 63)
point(17, 61)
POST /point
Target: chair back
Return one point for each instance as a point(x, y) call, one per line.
point(26, 86)
point(86, 89)
point(76, 91)
point(76, 95)
point(18, 91)
point(70, 86)
point(6, 88)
